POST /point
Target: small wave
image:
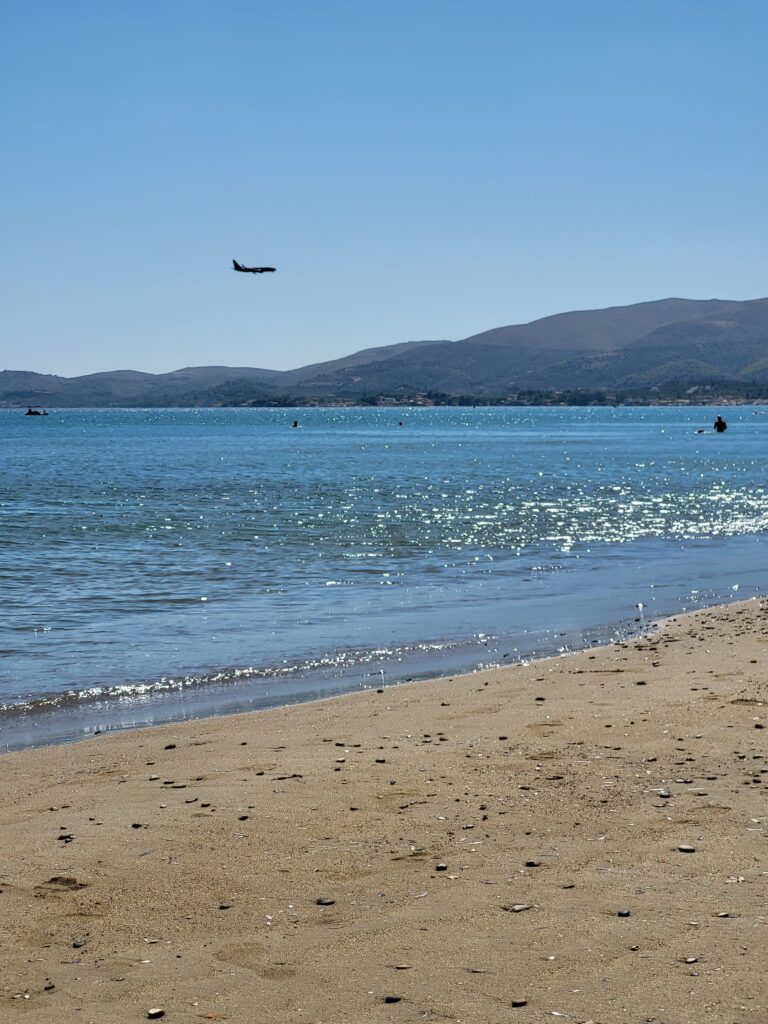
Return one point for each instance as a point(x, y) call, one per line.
point(142, 691)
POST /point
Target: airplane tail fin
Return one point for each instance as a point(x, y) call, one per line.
point(235, 264)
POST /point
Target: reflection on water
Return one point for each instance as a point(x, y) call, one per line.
point(146, 553)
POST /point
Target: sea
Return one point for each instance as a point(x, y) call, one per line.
point(159, 565)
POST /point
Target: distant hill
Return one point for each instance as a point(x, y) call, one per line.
point(643, 346)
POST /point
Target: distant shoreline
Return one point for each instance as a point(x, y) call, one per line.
point(443, 401)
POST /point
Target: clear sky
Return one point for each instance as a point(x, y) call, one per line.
point(413, 168)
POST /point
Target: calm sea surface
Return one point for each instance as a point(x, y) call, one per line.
point(164, 564)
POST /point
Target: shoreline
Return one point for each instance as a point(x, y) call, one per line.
point(441, 850)
point(555, 621)
point(320, 689)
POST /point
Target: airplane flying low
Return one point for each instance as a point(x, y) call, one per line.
point(252, 270)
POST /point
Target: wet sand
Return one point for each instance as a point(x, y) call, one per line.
point(508, 845)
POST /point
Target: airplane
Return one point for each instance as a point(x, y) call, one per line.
point(252, 270)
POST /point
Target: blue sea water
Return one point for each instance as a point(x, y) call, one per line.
point(163, 564)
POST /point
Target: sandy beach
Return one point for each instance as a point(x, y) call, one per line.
point(581, 838)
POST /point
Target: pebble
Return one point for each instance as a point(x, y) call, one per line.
point(622, 913)
point(155, 1013)
point(392, 999)
point(441, 867)
point(323, 902)
point(684, 848)
point(519, 1002)
point(517, 908)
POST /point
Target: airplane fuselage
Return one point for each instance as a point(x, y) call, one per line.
point(251, 270)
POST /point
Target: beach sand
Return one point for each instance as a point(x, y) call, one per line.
point(439, 851)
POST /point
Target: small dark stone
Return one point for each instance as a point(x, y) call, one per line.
point(519, 1002)
point(243, 817)
point(169, 746)
point(622, 913)
point(441, 867)
point(392, 999)
point(155, 1013)
point(225, 906)
point(78, 943)
point(533, 863)
point(323, 902)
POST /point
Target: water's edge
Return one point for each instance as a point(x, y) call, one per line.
point(77, 720)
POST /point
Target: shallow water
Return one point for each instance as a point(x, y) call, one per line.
point(160, 564)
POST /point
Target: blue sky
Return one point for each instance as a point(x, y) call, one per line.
point(414, 168)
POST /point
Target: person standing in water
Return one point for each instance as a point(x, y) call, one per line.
point(720, 425)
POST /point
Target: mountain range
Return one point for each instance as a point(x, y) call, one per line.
point(685, 342)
